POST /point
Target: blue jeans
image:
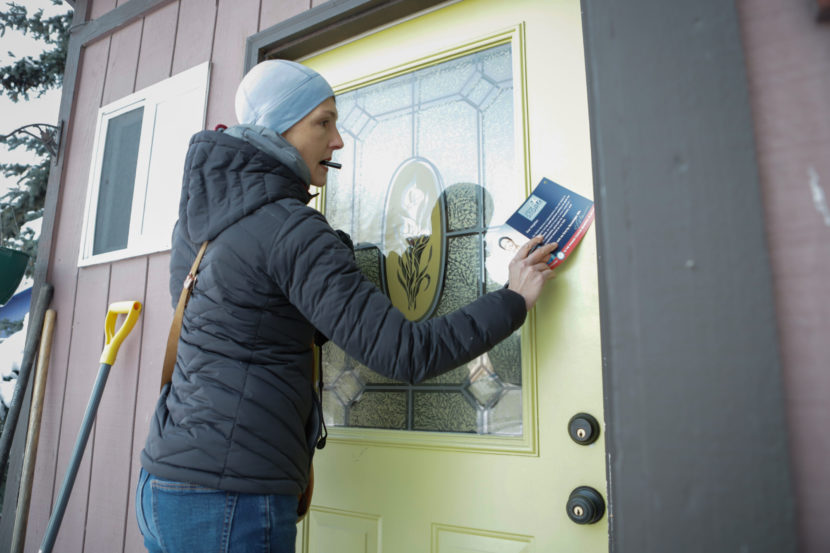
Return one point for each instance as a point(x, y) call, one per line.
point(177, 517)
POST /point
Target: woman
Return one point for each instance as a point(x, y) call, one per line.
point(231, 442)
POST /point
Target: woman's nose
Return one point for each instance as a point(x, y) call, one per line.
point(337, 142)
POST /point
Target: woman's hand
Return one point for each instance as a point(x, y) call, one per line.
point(530, 272)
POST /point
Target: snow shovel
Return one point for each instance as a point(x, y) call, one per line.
point(131, 309)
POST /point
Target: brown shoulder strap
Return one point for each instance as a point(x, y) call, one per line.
point(176, 326)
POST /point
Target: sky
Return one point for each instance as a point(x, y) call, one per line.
point(42, 109)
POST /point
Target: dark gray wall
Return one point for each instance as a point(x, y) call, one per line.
point(696, 434)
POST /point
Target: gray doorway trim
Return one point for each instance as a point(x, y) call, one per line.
point(325, 25)
point(696, 436)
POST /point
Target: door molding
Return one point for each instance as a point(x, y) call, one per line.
point(325, 25)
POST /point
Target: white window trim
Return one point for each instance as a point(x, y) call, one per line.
point(149, 97)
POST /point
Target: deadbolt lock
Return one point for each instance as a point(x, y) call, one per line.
point(583, 429)
point(585, 505)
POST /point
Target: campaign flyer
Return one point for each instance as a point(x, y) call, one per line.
point(558, 214)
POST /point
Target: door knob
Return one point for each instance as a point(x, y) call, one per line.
point(585, 505)
point(583, 429)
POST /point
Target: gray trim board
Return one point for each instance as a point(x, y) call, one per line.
point(117, 18)
point(695, 422)
point(327, 24)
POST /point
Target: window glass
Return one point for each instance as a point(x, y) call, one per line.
point(115, 190)
point(428, 165)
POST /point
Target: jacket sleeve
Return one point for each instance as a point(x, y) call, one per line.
point(182, 254)
point(317, 272)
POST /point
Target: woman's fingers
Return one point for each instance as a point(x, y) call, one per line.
point(524, 251)
point(534, 255)
point(542, 253)
point(529, 270)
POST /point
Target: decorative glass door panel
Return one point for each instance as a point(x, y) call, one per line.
point(428, 156)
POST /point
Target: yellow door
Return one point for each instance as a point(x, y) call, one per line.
point(449, 119)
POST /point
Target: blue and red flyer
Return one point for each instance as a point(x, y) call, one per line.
point(558, 214)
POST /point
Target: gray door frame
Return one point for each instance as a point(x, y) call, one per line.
point(697, 441)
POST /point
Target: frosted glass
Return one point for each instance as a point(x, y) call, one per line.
point(380, 410)
point(462, 272)
point(445, 79)
point(457, 117)
point(444, 412)
point(499, 168)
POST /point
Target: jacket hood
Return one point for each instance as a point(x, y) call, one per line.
point(229, 175)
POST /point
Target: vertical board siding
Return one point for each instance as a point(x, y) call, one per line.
point(272, 13)
point(43, 485)
point(157, 40)
point(157, 315)
point(194, 36)
point(235, 22)
point(87, 341)
point(112, 454)
point(110, 443)
point(788, 58)
point(155, 63)
point(100, 7)
point(63, 274)
point(122, 62)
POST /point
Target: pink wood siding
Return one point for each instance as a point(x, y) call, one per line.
point(179, 35)
point(157, 318)
point(84, 353)
point(158, 37)
point(112, 438)
point(194, 34)
point(788, 62)
point(271, 13)
point(235, 22)
point(68, 376)
point(100, 7)
point(121, 63)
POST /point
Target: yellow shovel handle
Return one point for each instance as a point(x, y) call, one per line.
point(130, 308)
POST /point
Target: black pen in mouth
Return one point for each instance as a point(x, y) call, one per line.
point(331, 164)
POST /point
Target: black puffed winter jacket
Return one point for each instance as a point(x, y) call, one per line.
point(239, 414)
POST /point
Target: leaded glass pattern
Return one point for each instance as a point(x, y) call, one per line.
point(451, 124)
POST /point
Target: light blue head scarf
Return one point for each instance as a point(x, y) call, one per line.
point(278, 93)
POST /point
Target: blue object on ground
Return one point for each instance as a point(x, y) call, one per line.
point(16, 308)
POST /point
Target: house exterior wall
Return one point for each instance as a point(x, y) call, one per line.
point(172, 37)
point(788, 62)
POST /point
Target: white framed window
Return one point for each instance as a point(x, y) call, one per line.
point(138, 156)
